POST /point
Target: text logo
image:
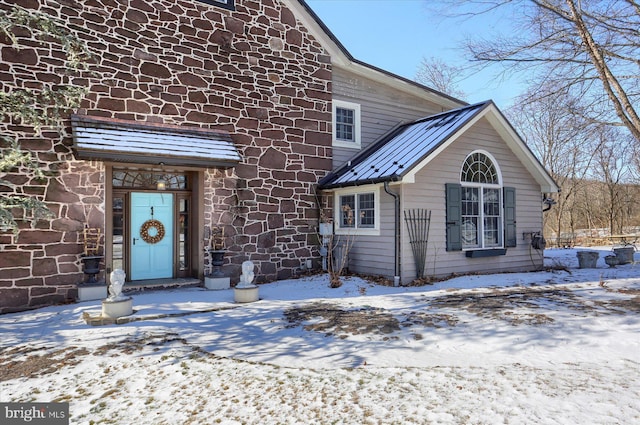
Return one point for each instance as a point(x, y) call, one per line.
point(34, 413)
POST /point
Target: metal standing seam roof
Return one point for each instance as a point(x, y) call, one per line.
point(152, 144)
point(397, 153)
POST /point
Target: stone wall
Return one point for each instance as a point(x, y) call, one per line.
point(254, 72)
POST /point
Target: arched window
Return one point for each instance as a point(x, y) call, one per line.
point(479, 168)
point(481, 202)
point(148, 179)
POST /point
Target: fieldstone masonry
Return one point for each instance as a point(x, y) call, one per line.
point(255, 72)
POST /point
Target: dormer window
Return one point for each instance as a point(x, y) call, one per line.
point(346, 124)
point(227, 4)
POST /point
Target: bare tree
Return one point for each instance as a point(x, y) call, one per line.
point(590, 48)
point(555, 130)
point(433, 72)
point(613, 170)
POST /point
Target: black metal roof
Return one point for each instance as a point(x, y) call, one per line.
point(397, 153)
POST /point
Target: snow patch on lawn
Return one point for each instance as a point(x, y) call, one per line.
point(557, 346)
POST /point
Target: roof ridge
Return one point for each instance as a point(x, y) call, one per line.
point(453, 111)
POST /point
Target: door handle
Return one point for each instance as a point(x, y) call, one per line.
point(134, 240)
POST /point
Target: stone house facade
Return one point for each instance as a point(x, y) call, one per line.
point(248, 71)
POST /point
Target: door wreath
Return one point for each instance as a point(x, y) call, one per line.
point(148, 225)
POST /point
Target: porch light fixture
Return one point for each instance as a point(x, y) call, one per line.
point(161, 184)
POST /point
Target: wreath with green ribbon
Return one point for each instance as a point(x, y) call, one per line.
point(147, 226)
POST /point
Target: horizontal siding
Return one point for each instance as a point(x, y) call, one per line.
point(342, 155)
point(373, 255)
point(428, 191)
point(381, 108)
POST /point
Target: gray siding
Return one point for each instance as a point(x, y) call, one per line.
point(382, 108)
point(429, 192)
point(373, 255)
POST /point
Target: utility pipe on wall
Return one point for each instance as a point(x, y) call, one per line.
point(396, 197)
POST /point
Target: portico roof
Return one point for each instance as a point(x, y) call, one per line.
point(103, 139)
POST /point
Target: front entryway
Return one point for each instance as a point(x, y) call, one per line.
point(150, 228)
point(152, 240)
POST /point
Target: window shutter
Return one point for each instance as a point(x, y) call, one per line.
point(454, 216)
point(510, 238)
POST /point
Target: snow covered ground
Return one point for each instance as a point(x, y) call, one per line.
point(553, 347)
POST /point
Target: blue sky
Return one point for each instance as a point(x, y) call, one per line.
point(396, 35)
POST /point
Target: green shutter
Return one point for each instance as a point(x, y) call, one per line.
point(510, 238)
point(454, 216)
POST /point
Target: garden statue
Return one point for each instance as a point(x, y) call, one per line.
point(117, 282)
point(247, 275)
point(245, 291)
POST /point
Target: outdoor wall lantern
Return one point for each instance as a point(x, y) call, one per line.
point(161, 184)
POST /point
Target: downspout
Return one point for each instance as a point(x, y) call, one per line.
point(396, 197)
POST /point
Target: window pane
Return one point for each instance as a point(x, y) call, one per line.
point(183, 235)
point(344, 116)
point(117, 247)
point(481, 206)
point(345, 124)
point(347, 211)
point(344, 132)
point(470, 216)
point(366, 210)
point(470, 201)
point(469, 231)
point(491, 232)
point(491, 198)
point(491, 208)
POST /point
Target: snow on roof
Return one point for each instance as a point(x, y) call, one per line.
point(400, 154)
point(397, 153)
point(118, 140)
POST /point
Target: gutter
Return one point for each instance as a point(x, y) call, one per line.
point(385, 180)
point(396, 197)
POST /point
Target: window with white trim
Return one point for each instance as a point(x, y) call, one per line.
point(358, 211)
point(346, 124)
point(481, 197)
point(227, 4)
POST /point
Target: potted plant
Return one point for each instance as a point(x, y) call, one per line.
point(611, 260)
point(91, 267)
point(92, 288)
point(216, 279)
point(91, 257)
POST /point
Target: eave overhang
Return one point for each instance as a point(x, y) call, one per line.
point(341, 58)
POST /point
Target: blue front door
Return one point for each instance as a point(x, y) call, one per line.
point(151, 236)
